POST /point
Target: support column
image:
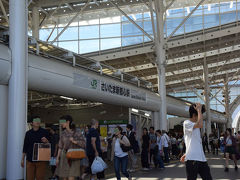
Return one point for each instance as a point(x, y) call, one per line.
point(3, 129)
point(227, 105)
point(35, 22)
point(161, 62)
point(206, 96)
point(156, 120)
point(17, 93)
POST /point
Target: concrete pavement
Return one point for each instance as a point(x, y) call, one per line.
point(176, 171)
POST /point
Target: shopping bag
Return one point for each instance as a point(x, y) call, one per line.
point(98, 165)
point(41, 152)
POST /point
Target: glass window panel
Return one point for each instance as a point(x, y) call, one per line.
point(127, 41)
point(211, 20)
point(110, 43)
point(87, 46)
point(129, 29)
point(211, 9)
point(87, 32)
point(44, 34)
point(193, 24)
point(71, 33)
point(108, 20)
point(197, 12)
point(134, 17)
point(110, 30)
point(147, 15)
point(227, 6)
point(93, 21)
point(176, 12)
point(172, 24)
point(69, 45)
point(228, 17)
point(63, 21)
point(148, 27)
point(147, 39)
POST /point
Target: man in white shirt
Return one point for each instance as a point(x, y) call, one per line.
point(194, 157)
point(165, 139)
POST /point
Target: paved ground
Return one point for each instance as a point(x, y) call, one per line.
point(176, 171)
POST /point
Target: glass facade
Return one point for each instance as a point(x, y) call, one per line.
point(214, 103)
point(117, 31)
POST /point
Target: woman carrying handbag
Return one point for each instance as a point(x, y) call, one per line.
point(68, 165)
point(120, 148)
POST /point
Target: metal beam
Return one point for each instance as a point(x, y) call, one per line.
point(69, 6)
point(169, 5)
point(186, 18)
point(74, 17)
point(152, 20)
point(45, 12)
point(141, 29)
point(4, 11)
point(51, 14)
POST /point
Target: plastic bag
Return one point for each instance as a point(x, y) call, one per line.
point(52, 161)
point(98, 165)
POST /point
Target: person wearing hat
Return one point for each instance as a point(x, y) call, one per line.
point(194, 157)
point(35, 135)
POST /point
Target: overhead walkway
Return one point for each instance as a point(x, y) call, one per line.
point(57, 71)
point(220, 45)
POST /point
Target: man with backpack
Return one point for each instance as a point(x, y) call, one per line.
point(135, 148)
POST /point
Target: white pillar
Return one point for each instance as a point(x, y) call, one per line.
point(156, 120)
point(161, 62)
point(35, 22)
point(17, 94)
point(206, 96)
point(3, 129)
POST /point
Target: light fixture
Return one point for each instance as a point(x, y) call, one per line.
point(68, 98)
point(134, 17)
point(146, 114)
point(134, 110)
point(231, 4)
point(188, 10)
point(167, 12)
point(209, 7)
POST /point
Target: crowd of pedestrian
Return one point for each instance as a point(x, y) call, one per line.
point(155, 148)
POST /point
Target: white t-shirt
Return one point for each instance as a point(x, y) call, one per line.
point(159, 143)
point(193, 141)
point(118, 150)
point(165, 140)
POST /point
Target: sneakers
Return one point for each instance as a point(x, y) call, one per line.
point(236, 168)
point(226, 169)
point(131, 170)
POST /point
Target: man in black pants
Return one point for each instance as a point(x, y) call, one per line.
point(194, 157)
point(93, 147)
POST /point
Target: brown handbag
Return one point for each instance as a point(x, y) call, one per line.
point(76, 154)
